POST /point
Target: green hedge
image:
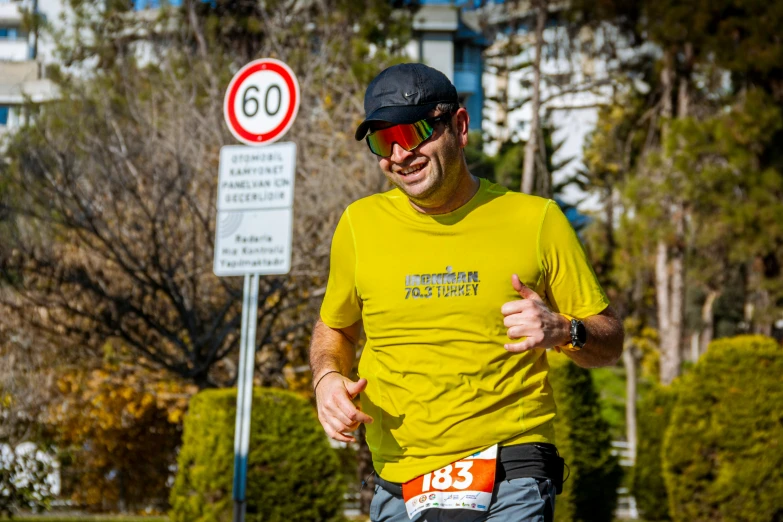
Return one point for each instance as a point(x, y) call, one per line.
point(647, 485)
point(723, 451)
point(293, 473)
point(584, 441)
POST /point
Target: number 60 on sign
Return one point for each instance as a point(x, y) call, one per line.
point(261, 102)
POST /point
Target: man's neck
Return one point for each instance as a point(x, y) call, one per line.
point(464, 192)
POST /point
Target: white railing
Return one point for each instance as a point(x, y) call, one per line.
point(622, 449)
point(626, 503)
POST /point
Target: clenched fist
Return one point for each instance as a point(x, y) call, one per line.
point(531, 318)
point(339, 416)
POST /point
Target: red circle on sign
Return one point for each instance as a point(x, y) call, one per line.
point(265, 64)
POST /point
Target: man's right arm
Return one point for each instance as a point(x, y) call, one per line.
point(332, 352)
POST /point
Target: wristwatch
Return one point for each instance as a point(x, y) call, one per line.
point(578, 333)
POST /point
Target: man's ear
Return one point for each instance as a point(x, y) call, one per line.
point(462, 126)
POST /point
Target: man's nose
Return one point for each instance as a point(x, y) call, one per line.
point(399, 154)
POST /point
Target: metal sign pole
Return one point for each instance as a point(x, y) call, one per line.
point(247, 351)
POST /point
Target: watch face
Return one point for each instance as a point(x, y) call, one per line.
point(581, 332)
point(578, 333)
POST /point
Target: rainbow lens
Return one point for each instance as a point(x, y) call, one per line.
point(406, 135)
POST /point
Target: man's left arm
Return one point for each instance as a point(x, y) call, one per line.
point(531, 318)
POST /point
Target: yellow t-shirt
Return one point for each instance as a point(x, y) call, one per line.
point(429, 291)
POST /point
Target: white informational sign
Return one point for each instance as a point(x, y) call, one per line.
point(261, 101)
point(254, 178)
point(253, 242)
point(255, 201)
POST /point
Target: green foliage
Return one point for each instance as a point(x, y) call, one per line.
point(713, 168)
point(739, 36)
point(291, 467)
point(584, 441)
point(723, 459)
point(615, 141)
point(609, 152)
point(647, 486)
point(508, 164)
point(610, 385)
point(478, 162)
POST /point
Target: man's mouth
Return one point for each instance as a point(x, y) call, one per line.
point(411, 170)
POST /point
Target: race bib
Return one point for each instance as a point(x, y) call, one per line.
point(465, 484)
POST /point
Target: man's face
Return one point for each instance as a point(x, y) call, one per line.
point(430, 173)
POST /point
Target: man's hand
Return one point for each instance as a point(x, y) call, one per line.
point(336, 411)
point(531, 318)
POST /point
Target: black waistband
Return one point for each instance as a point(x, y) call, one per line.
point(536, 460)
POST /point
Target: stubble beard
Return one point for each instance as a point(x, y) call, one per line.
point(442, 185)
point(440, 189)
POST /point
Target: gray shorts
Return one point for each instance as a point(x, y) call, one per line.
point(514, 500)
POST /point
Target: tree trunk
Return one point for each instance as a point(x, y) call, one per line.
point(667, 84)
point(122, 502)
point(761, 324)
point(683, 93)
point(662, 288)
point(679, 211)
point(36, 31)
point(543, 178)
point(695, 343)
point(197, 33)
point(629, 361)
point(669, 292)
point(707, 321)
point(531, 147)
point(748, 309)
point(607, 263)
point(662, 250)
point(676, 297)
point(670, 259)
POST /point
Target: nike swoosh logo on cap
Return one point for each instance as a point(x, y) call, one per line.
point(409, 94)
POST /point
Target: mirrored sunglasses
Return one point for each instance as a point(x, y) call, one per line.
point(406, 135)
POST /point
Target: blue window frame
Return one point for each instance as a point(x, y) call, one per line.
point(9, 33)
point(4, 112)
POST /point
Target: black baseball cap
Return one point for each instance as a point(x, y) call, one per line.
point(405, 93)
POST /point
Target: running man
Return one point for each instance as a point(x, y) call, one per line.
point(460, 286)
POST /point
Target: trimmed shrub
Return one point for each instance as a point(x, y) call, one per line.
point(723, 450)
point(647, 484)
point(293, 474)
point(584, 441)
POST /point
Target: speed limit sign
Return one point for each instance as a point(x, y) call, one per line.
point(261, 102)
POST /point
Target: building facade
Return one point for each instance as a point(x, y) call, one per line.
point(23, 57)
point(446, 37)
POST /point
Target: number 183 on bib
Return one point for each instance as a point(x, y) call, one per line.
point(464, 484)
